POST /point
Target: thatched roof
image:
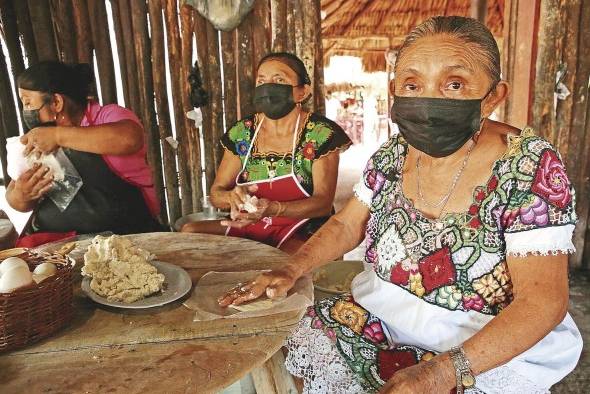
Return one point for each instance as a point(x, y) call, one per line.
point(367, 28)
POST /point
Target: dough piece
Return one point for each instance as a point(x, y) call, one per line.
point(258, 304)
point(251, 204)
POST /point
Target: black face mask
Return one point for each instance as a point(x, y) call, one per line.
point(436, 126)
point(32, 119)
point(275, 100)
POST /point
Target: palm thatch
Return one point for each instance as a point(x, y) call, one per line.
point(368, 28)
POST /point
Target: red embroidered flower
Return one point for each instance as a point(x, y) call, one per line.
point(309, 151)
point(437, 270)
point(492, 184)
point(374, 332)
point(551, 181)
point(399, 276)
point(473, 209)
point(480, 194)
point(475, 223)
point(391, 361)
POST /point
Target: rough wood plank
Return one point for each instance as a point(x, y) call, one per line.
point(83, 32)
point(319, 104)
point(290, 45)
point(164, 124)
point(174, 61)
point(129, 68)
point(12, 40)
point(23, 21)
point(9, 123)
point(184, 366)
point(272, 376)
point(228, 53)
point(40, 14)
point(102, 46)
point(213, 158)
point(146, 97)
point(260, 20)
point(120, 38)
point(65, 34)
point(246, 69)
point(279, 25)
point(192, 142)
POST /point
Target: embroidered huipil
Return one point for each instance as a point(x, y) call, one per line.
point(435, 283)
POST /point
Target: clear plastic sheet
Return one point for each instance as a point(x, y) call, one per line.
point(214, 284)
point(64, 190)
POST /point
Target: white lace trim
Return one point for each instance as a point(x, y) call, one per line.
point(503, 380)
point(363, 193)
point(541, 241)
point(314, 357)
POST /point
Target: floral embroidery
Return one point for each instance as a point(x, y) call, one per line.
point(309, 151)
point(527, 189)
point(374, 332)
point(392, 361)
point(551, 181)
point(350, 314)
point(242, 147)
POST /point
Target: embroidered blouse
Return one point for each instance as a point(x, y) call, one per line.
point(318, 137)
point(459, 261)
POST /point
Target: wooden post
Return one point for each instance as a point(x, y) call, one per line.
point(245, 69)
point(319, 101)
point(9, 123)
point(120, 37)
point(146, 96)
point(261, 30)
point(290, 26)
point(42, 29)
point(129, 68)
point(578, 159)
point(83, 33)
point(23, 21)
point(478, 10)
point(192, 144)
point(279, 25)
point(63, 16)
point(228, 52)
point(11, 37)
point(174, 61)
point(102, 46)
point(164, 125)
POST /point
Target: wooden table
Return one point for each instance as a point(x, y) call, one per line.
point(161, 351)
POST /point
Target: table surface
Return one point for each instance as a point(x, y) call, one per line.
point(162, 350)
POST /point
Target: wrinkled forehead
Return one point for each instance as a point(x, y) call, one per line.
point(436, 54)
point(32, 96)
point(274, 67)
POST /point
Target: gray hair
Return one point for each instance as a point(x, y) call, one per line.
point(468, 30)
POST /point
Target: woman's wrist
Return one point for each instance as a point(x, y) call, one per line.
point(445, 370)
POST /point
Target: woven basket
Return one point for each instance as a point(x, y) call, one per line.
point(31, 314)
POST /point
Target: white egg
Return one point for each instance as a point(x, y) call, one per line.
point(15, 279)
point(10, 263)
point(45, 269)
point(40, 278)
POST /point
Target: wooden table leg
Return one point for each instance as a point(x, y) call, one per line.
point(272, 377)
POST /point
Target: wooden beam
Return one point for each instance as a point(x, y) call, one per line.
point(319, 102)
point(230, 99)
point(40, 14)
point(246, 68)
point(161, 94)
point(260, 20)
point(129, 67)
point(279, 25)
point(65, 34)
point(23, 21)
point(174, 61)
point(120, 37)
point(478, 10)
point(9, 125)
point(146, 97)
point(13, 44)
point(83, 33)
point(99, 27)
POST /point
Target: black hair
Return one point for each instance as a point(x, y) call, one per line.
point(76, 81)
point(292, 61)
point(468, 30)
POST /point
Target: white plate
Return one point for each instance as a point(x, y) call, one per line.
point(177, 283)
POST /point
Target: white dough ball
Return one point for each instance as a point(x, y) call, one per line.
point(47, 269)
point(15, 279)
point(10, 263)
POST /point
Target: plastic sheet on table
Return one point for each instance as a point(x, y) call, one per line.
point(215, 284)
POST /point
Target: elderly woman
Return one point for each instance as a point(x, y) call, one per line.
point(106, 145)
point(468, 224)
point(284, 156)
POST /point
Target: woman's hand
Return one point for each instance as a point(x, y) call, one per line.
point(237, 198)
point(275, 283)
point(33, 184)
point(42, 139)
point(426, 377)
point(243, 219)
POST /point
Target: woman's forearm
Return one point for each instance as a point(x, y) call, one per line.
point(120, 138)
point(219, 197)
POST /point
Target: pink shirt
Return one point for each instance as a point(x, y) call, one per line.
point(133, 168)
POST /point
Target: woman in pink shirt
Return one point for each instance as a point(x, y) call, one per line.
point(107, 146)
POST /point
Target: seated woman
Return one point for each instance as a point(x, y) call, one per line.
point(283, 155)
point(104, 143)
point(468, 224)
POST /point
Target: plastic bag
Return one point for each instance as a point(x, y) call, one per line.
point(214, 284)
point(223, 14)
point(65, 189)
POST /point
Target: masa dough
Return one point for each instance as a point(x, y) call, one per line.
point(258, 304)
point(120, 271)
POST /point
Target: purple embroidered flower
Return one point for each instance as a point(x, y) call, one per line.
point(242, 147)
point(505, 217)
point(311, 312)
point(331, 334)
point(535, 212)
point(374, 332)
point(317, 323)
point(551, 181)
point(375, 180)
point(473, 301)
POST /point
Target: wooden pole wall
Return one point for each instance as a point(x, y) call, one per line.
point(102, 46)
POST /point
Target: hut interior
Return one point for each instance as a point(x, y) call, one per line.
point(143, 52)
